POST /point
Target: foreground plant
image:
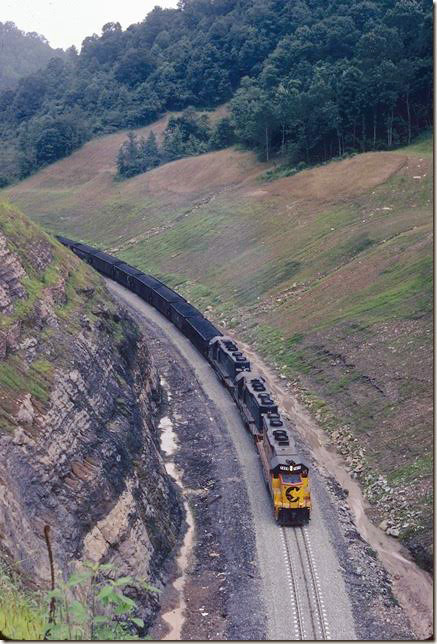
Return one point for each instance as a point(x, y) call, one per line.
point(103, 611)
point(88, 606)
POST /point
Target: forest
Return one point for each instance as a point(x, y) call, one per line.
point(306, 80)
point(22, 54)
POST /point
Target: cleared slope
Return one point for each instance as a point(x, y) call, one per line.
point(328, 273)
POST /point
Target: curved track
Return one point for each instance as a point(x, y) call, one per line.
point(304, 593)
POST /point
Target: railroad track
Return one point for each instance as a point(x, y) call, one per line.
point(308, 607)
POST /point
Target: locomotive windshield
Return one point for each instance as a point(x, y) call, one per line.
point(290, 478)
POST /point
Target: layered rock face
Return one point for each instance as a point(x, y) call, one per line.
point(78, 396)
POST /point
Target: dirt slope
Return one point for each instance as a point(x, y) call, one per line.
point(328, 273)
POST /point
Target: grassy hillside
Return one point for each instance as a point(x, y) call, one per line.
point(327, 273)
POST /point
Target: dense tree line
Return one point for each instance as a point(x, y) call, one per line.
point(305, 78)
point(21, 54)
point(185, 135)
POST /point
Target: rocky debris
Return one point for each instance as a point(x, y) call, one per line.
point(392, 504)
point(222, 587)
point(88, 292)
point(26, 412)
point(377, 612)
point(58, 294)
point(43, 313)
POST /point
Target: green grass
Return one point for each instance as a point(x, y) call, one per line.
point(283, 170)
point(271, 343)
point(401, 291)
point(43, 367)
point(421, 468)
point(351, 248)
point(343, 383)
point(23, 614)
point(421, 146)
point(269, 276)
point(17, 379)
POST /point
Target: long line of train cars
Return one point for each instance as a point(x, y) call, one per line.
point(286, 476)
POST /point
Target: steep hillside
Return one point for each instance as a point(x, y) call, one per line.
point(78, 447)
point(328, 273)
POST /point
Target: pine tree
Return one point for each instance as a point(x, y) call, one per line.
point(150, 152)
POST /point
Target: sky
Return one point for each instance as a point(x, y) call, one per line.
point(68, 22)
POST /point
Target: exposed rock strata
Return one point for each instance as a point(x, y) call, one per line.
point(11, 272)
point(84, 458)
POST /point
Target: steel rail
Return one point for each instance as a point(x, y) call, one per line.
point(299, 625)
point(297, 541)
point(322, 617)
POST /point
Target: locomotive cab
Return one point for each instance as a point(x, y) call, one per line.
point(291, 493)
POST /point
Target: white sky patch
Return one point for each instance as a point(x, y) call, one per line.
point(68, 22)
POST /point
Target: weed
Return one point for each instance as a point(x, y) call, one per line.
point(281, 171)
point(105, 611)
point(421, 468)
point(22, 613)
point(89, 605)
point(371, 552)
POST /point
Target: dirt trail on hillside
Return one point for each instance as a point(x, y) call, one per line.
point(412, 586)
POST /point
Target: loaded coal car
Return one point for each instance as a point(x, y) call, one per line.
point(143, 286)
point(182, 311)
point(104, 263)
point(84, 251)
point(285, 474)
point(162, 297)
point(200, 332)
point(65, 241)
point(253, 399)
point(124, 274)
point(227, 359)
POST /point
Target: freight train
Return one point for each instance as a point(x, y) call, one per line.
point(285, 474)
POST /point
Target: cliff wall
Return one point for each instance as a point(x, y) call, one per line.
point(78, 397)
